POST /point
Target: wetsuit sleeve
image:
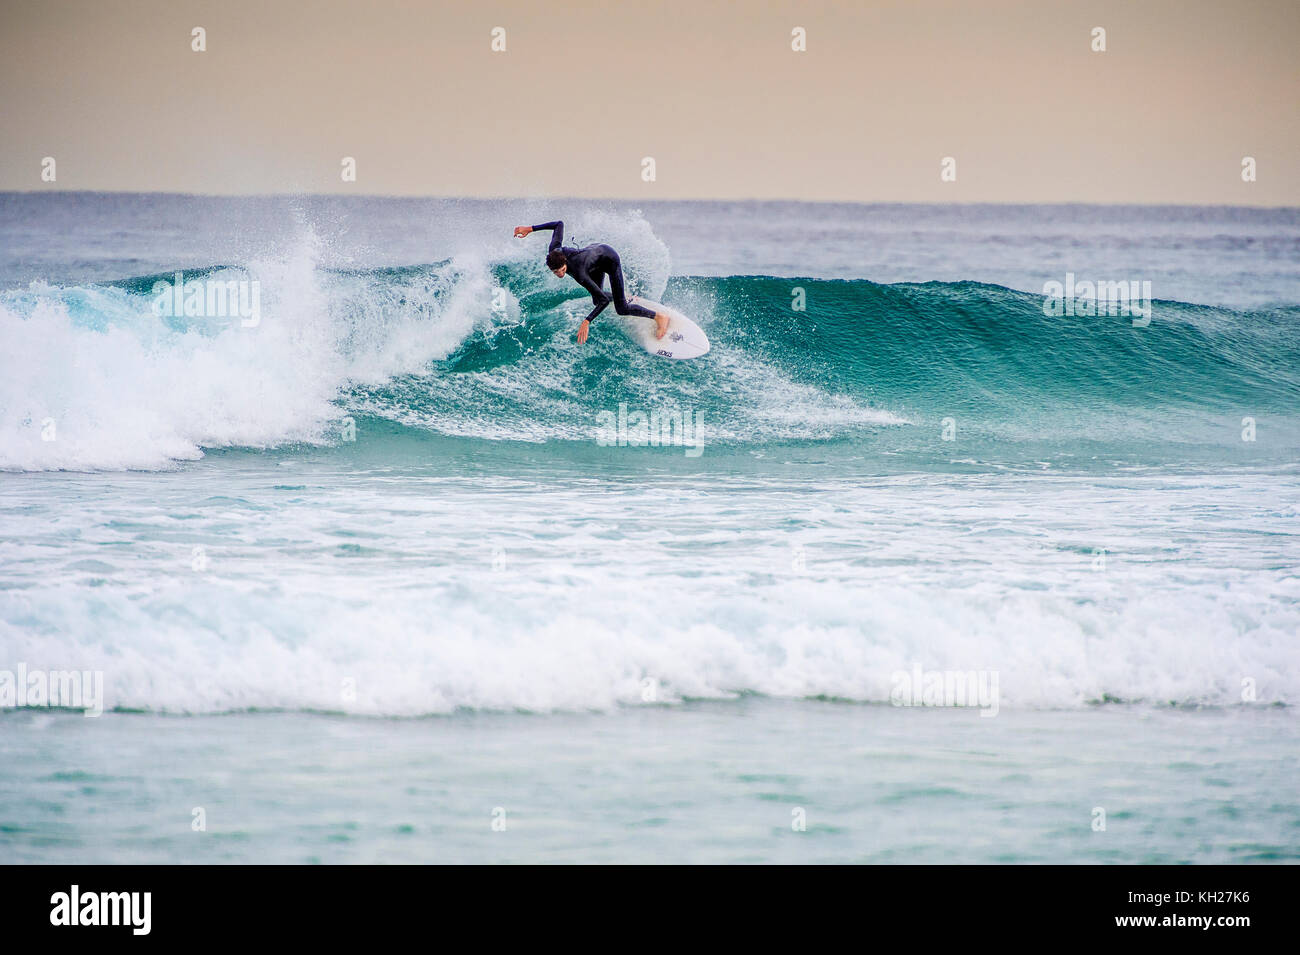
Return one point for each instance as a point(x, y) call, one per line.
point(557, 235)
point(597, 294)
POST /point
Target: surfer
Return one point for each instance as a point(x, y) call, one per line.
point(588, 267)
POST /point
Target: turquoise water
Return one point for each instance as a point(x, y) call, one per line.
point(359, 574)
point(700, 782)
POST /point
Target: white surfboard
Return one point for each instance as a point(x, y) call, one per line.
point(684, 339)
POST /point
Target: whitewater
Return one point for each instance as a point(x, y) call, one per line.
point(381, 528)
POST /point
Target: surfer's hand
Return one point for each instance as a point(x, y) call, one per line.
point(582, 332)
point(522, 230)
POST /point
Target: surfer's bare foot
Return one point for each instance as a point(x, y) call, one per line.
point(661, 320)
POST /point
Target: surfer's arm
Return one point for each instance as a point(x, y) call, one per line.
point(598, 295)
point(557, 233)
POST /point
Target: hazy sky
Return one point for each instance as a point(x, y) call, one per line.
point(711, 90)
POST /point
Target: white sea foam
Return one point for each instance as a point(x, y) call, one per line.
point(410, 595)
point(91, 378)
point(115, 388)
point(199, 647)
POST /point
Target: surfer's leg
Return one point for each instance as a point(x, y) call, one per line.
point(621, 304)
point(623, 307)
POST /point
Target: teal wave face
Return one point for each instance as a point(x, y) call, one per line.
point(985, 367)
point(986, 350)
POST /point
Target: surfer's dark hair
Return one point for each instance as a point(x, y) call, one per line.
point(554, 259)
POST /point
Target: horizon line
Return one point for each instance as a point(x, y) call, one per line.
point(627, 199)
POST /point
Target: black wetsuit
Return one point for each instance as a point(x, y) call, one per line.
point(589, 266)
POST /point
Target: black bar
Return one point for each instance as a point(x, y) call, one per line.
point(940, 905)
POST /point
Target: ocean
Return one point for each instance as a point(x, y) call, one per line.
point(918, 564)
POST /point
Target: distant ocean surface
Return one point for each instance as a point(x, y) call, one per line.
point(396, 561)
